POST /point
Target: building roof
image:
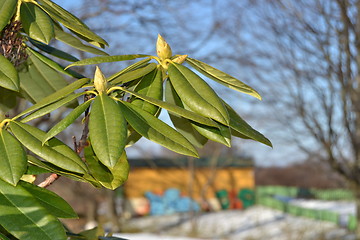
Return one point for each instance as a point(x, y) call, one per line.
point(185, 162)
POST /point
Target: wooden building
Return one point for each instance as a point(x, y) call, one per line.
point(199, 179)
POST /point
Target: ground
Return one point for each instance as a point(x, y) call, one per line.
point(254, 223)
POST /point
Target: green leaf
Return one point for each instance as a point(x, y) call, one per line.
point(238, 125)
point(13, 161)
point(66, 121)
point(151, 85)
point(60, 171)
point(183, 125)
point(36, 23)
point(104, 59)
point(55, 205)
point(51, 107)
point(110, 178)
point(108, 130)
point(74, 42)
point(7, 10)
point(175, 109)
point(54, 151)
point(9, 78)
point(132, 75)
point(155, 130)
point(197, 94)
point(133, 66)
point(53, 64)
point(56, 96)
point(53, 51)
point(24, 217)
point(221, 134)
point(8, 99)
point(222, 78)
point(70, 21)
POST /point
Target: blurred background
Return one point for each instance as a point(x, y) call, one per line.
point(302, 57)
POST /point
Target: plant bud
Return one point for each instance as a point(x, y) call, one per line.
point(163, 49)
point(180, 59)
point(100, 82)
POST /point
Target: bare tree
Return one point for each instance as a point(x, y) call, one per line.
point(308, 54)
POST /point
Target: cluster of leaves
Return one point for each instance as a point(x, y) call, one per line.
point(119, 110)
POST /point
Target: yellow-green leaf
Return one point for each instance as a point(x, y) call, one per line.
point(36, 22)
point(9, 77)
point(7, 10)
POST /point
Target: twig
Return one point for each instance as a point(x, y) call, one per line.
point(49, 180)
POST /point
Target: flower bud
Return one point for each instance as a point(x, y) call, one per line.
point(163, 49)
point(180, 59)
point(100, 82)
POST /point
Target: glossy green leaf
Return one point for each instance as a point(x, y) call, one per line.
point(155, 130)
point(183, 125)
point(221, 77)
point(60, 171)
point(66, 121)
point(74, 42)
point(221, 134)
point(53, 51)
point(70, 21)
point(238, 125)
point(132, 75)
point(56, 96)
point(54, 151)
point(36, 23)
point(7, 10)
point(13, 161)
point(51, 107)
point(24, 217)
point(139, 64)
point(104, 59)
point(110, 178)
point(175, 109)
point(108, 130)
point(150, 85)
point(9, 78)
point(55, 205)
point(53, 64)
point(197, 94)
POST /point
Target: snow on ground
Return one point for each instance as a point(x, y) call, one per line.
point(254, 223)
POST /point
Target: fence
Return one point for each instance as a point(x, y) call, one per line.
point(278, 197)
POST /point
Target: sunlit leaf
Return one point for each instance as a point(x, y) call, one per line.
point(237, 124)
point(139, 64)
point(108, 130)
point(24, 217)
point(70, 21)
point(61, 93)
point(9, 78)
point(175, 109)
point(36, 22)
point(221, 77)
point(104, 59)
point(57, 206)
point(54, 151)
point(51, 107)
point(13, 161)
point(182, 124)
point(7, 10)
point(132, 75)
point(150, 85)
point(66, 121)
point(74, 42)
point(221, 134)
point(157, 131)
point(196, 93)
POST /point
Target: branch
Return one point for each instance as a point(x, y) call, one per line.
point(49, 180)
